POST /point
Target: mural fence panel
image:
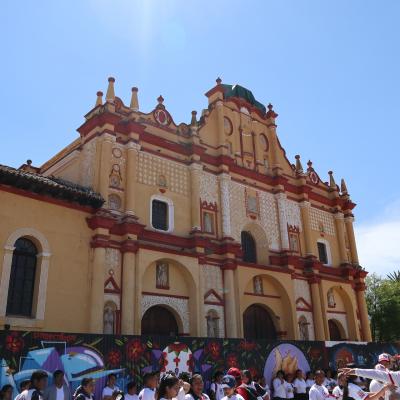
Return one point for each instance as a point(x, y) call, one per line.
point(86, 355)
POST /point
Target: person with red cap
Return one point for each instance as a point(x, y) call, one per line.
point(247, 392)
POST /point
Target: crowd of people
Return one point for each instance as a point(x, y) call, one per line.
point(349, 384)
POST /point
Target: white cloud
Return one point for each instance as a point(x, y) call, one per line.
point(378, 242)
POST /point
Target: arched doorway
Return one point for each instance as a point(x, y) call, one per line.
point(334, 330)
point(159, 321)
point(248, 247)
point(258, 323)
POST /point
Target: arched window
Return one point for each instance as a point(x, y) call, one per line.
point(248, 247)
point(22, 279)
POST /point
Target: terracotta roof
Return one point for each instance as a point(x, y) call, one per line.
point(50, 186)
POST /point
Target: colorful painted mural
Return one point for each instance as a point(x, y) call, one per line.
point(82, 355)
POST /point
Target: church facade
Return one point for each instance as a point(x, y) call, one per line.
point(146, 226)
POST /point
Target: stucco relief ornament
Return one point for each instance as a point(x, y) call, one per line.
point(312, 174)
point(161, 115)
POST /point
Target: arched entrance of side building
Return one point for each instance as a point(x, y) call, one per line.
point(336, 331)
point(160, 321)
point(258, 323)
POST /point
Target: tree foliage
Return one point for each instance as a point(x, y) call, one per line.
point(383, 301)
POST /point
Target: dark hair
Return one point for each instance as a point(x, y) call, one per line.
point(318, 372)
point(38, 376)
point(218, 374)
point(111, 376)
point(308, 374)
point(280, 372)
point(24, 383)
point(58, 373)
point(192, 379)
point(131, 385)
point(6, 387)
point(185, 376)
point(167, 381)
point(247, 374)
point(86, 381)
point(147, 376)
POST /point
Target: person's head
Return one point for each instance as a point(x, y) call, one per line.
point(6, 392)
point(246, 376)
point(319, 377)
point(39, 380)
point(342, 380)
point(88, 385)
point(228, 384)
point(169, 387)
point(310, 375)
point(235, 372)
point(299, 374)
point(280, 374)
point(184, 376)
point(328, 373)
point(24, 385)
point(261, 380)
point(131, 387)
point(58, 378)
point(111, 380)
point(197, 384)
point(289, 377)
point(150, 380)
point(384, 360)
point(218, 376)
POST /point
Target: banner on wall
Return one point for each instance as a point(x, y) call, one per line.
point(86, 355)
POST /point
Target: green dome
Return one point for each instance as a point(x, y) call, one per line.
point(243, 93)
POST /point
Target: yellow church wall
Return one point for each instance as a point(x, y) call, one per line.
point(69, 241)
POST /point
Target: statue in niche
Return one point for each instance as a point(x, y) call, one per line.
point(108, 320)
point(331, 298)
point(162, 279)
point(258, 286)
point(212, 325)
point(303, 328)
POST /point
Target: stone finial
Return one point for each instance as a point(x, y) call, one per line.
point(299, 167)
point(271, 113)
point(218, 80)
point(193, 121)
point(160, 100)
point(29, 162)
point(134, 99)
point(332, 183)
point(343, 187)
point(110, 95)
point(99, 99)
point(309, 165)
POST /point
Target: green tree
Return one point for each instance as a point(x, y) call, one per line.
point(383, 301)
point(394, 276)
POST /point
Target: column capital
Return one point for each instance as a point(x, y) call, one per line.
point(224, 177)
point(304, 204)
point(9, 249)
point(314, 279)
point(349, 218)
point(108, 137)
point(44, 255)
point(196, 167)
point(338, 215)
point(133, 146)
point(280, 196)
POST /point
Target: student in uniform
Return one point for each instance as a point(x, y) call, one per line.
point(110, 388)
point(196, 389)
point(289, 386)
point(300, 386)
point(279, 386)
point(37, 386)
point(6, 392)
point(150, 383)
point(309, 380)
point(390, 377)
point(318, 391)
point(229, 385)
point(337, 391)
point(86, 389)
point(216, 391)
point(24, 385)
point(131, 391)
point(169, 388)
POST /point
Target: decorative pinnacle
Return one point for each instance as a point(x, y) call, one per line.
point(29, 162)
point(343, 187)
point(134, 99)
point(271, 113)
point(332, 183)
point(160, 99)
point(99, 100)
point(193, 122)
point(110, 95)
point(218, 80)
point(299, 167)
point(309, 164)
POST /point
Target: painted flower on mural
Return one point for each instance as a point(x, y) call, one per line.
point(232, 361)
point(14, 343)
point(247, 346)
point(114, 358)
point(214, 349)
point(134, 349)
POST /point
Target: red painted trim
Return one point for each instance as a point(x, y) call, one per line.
point(212, 291)
point(303, 309)
point(46, 199)
point(301, 299)
point(165, 295)
point(116, 289)
point(271, 296)
point(336, 312)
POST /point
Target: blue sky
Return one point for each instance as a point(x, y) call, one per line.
point(331, 69)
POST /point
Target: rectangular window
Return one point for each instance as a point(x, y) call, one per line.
point(323, 256)
point(252, 204)
point(294, 242)
point(159, 212)
point(208, 222)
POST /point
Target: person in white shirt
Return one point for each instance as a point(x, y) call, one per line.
point(196, 389)
point(279, 386)
point(131, 390)
point(169, 388)
point(24, 385)
point(318, 391)
point(37, 387)
point(300, 386)
point(150, 384)
point(229, 385)
point(110, 388)
point(329, 382)
point(390, 377)
point(337, 391)
point(216, 390)
point(59, 390)
point(289, 386)
point(309, 380)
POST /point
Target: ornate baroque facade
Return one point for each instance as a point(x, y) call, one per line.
point(142, 225)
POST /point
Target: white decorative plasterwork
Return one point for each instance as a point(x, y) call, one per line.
point(180, 306)
point(87, 163)
point(283, 221)
point(225, 191)
point(113, 258)
point(269, 219)
point(150, 167)
point(213, 279)
point(318, 217)
point(208, 188)
point(302, 289)
point(293, 214)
